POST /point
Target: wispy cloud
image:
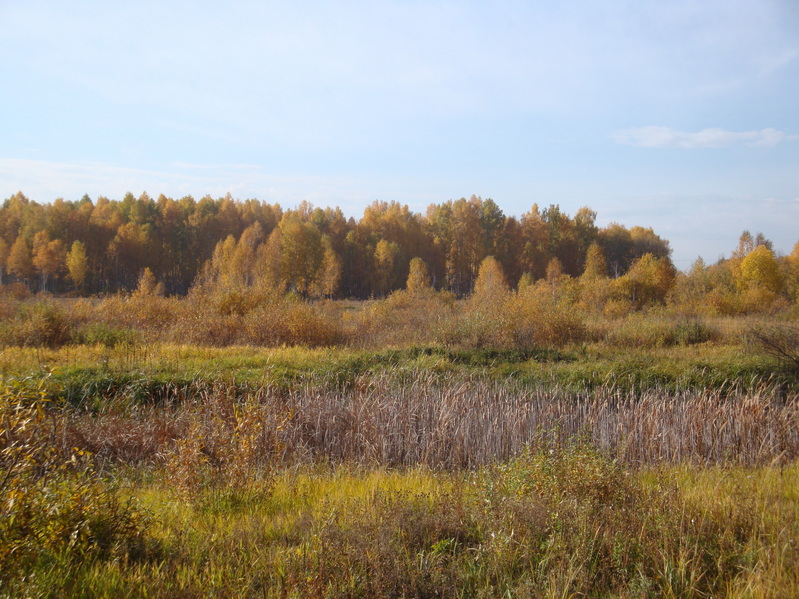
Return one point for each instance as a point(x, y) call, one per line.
point(664, 137)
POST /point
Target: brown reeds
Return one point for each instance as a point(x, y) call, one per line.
point(472, 423)
point(442, 423)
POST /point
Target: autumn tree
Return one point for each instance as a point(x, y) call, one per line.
point(102, 226)
point(648, 281)
point(595, 263)
point(492, 221)
point(759, 269)
point(245, 255)
point(219, 272)
point(747, 243)
point(48, 256)
point(20, 262)
point(535, 250)
point(77, 264)
point(485, 322)
point(563, 242)
point(148, 284)
point(791, 274)
point(759, 278)
point(314, 251)
point(13, 215)
point(385, 257)
point(691, 288)
point(585, 232)
point(508, 248)
point(329, 277)
point(554, 275)
point(624, 246)
point(594, 284)
point(132, 249)
point(418, 277)
point(179, 265)
point(490, 288)
point(301, 253)
point(269, 260)
point(458, 230)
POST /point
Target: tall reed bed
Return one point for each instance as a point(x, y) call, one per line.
point(520, 491)
point(435, 421)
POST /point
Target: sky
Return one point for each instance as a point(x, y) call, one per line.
point(678, 115)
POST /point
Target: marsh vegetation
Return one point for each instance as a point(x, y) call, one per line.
point(600, 425)
point(638, 460)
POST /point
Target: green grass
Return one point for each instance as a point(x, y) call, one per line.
point(91, 375)
point(567, 523)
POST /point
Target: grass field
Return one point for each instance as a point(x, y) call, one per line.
point(622, 466)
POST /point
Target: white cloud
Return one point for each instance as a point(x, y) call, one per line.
point(664, 137)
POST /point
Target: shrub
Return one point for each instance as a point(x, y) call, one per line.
point(538, 320)
point(100, 333)
point(404, 318)
point(778, 341)
point(571, 471)
point(652, 330)
point(16, 291)
point(226, 452)
point(38, 325)
point(690, 331)
point(55, 508)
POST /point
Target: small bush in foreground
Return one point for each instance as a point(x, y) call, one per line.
point(55, 509)
point(227, 450)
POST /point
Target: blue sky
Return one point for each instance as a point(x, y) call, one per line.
point(682, 116)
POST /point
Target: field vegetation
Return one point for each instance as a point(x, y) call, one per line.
point(581, 421)
point(636, 461)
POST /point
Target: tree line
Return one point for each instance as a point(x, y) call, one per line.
point(105, 246)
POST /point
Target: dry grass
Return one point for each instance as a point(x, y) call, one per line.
point(426, 486)
point(440, 423)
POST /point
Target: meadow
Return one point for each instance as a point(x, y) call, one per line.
point(408, 447)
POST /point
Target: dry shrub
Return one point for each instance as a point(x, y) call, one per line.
point(640, 330)
point(539, 320)
point(617, 308)
point(54, 506)
point(400, 545)
point(129, 436)
point(204, 327)
point(405, 318)
point(757, 300)
point(99, 333)
point(264, 318)
point(15, 291)
point(151, 315)
point(310, 325)
point(8, 308)
point(572, 471)
point(724, 302)
point(780, 341)
point(228, 448)
point(475, 328)
point(235, 303)
point(42, 324)
point(503, 320)
point(471, 423)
